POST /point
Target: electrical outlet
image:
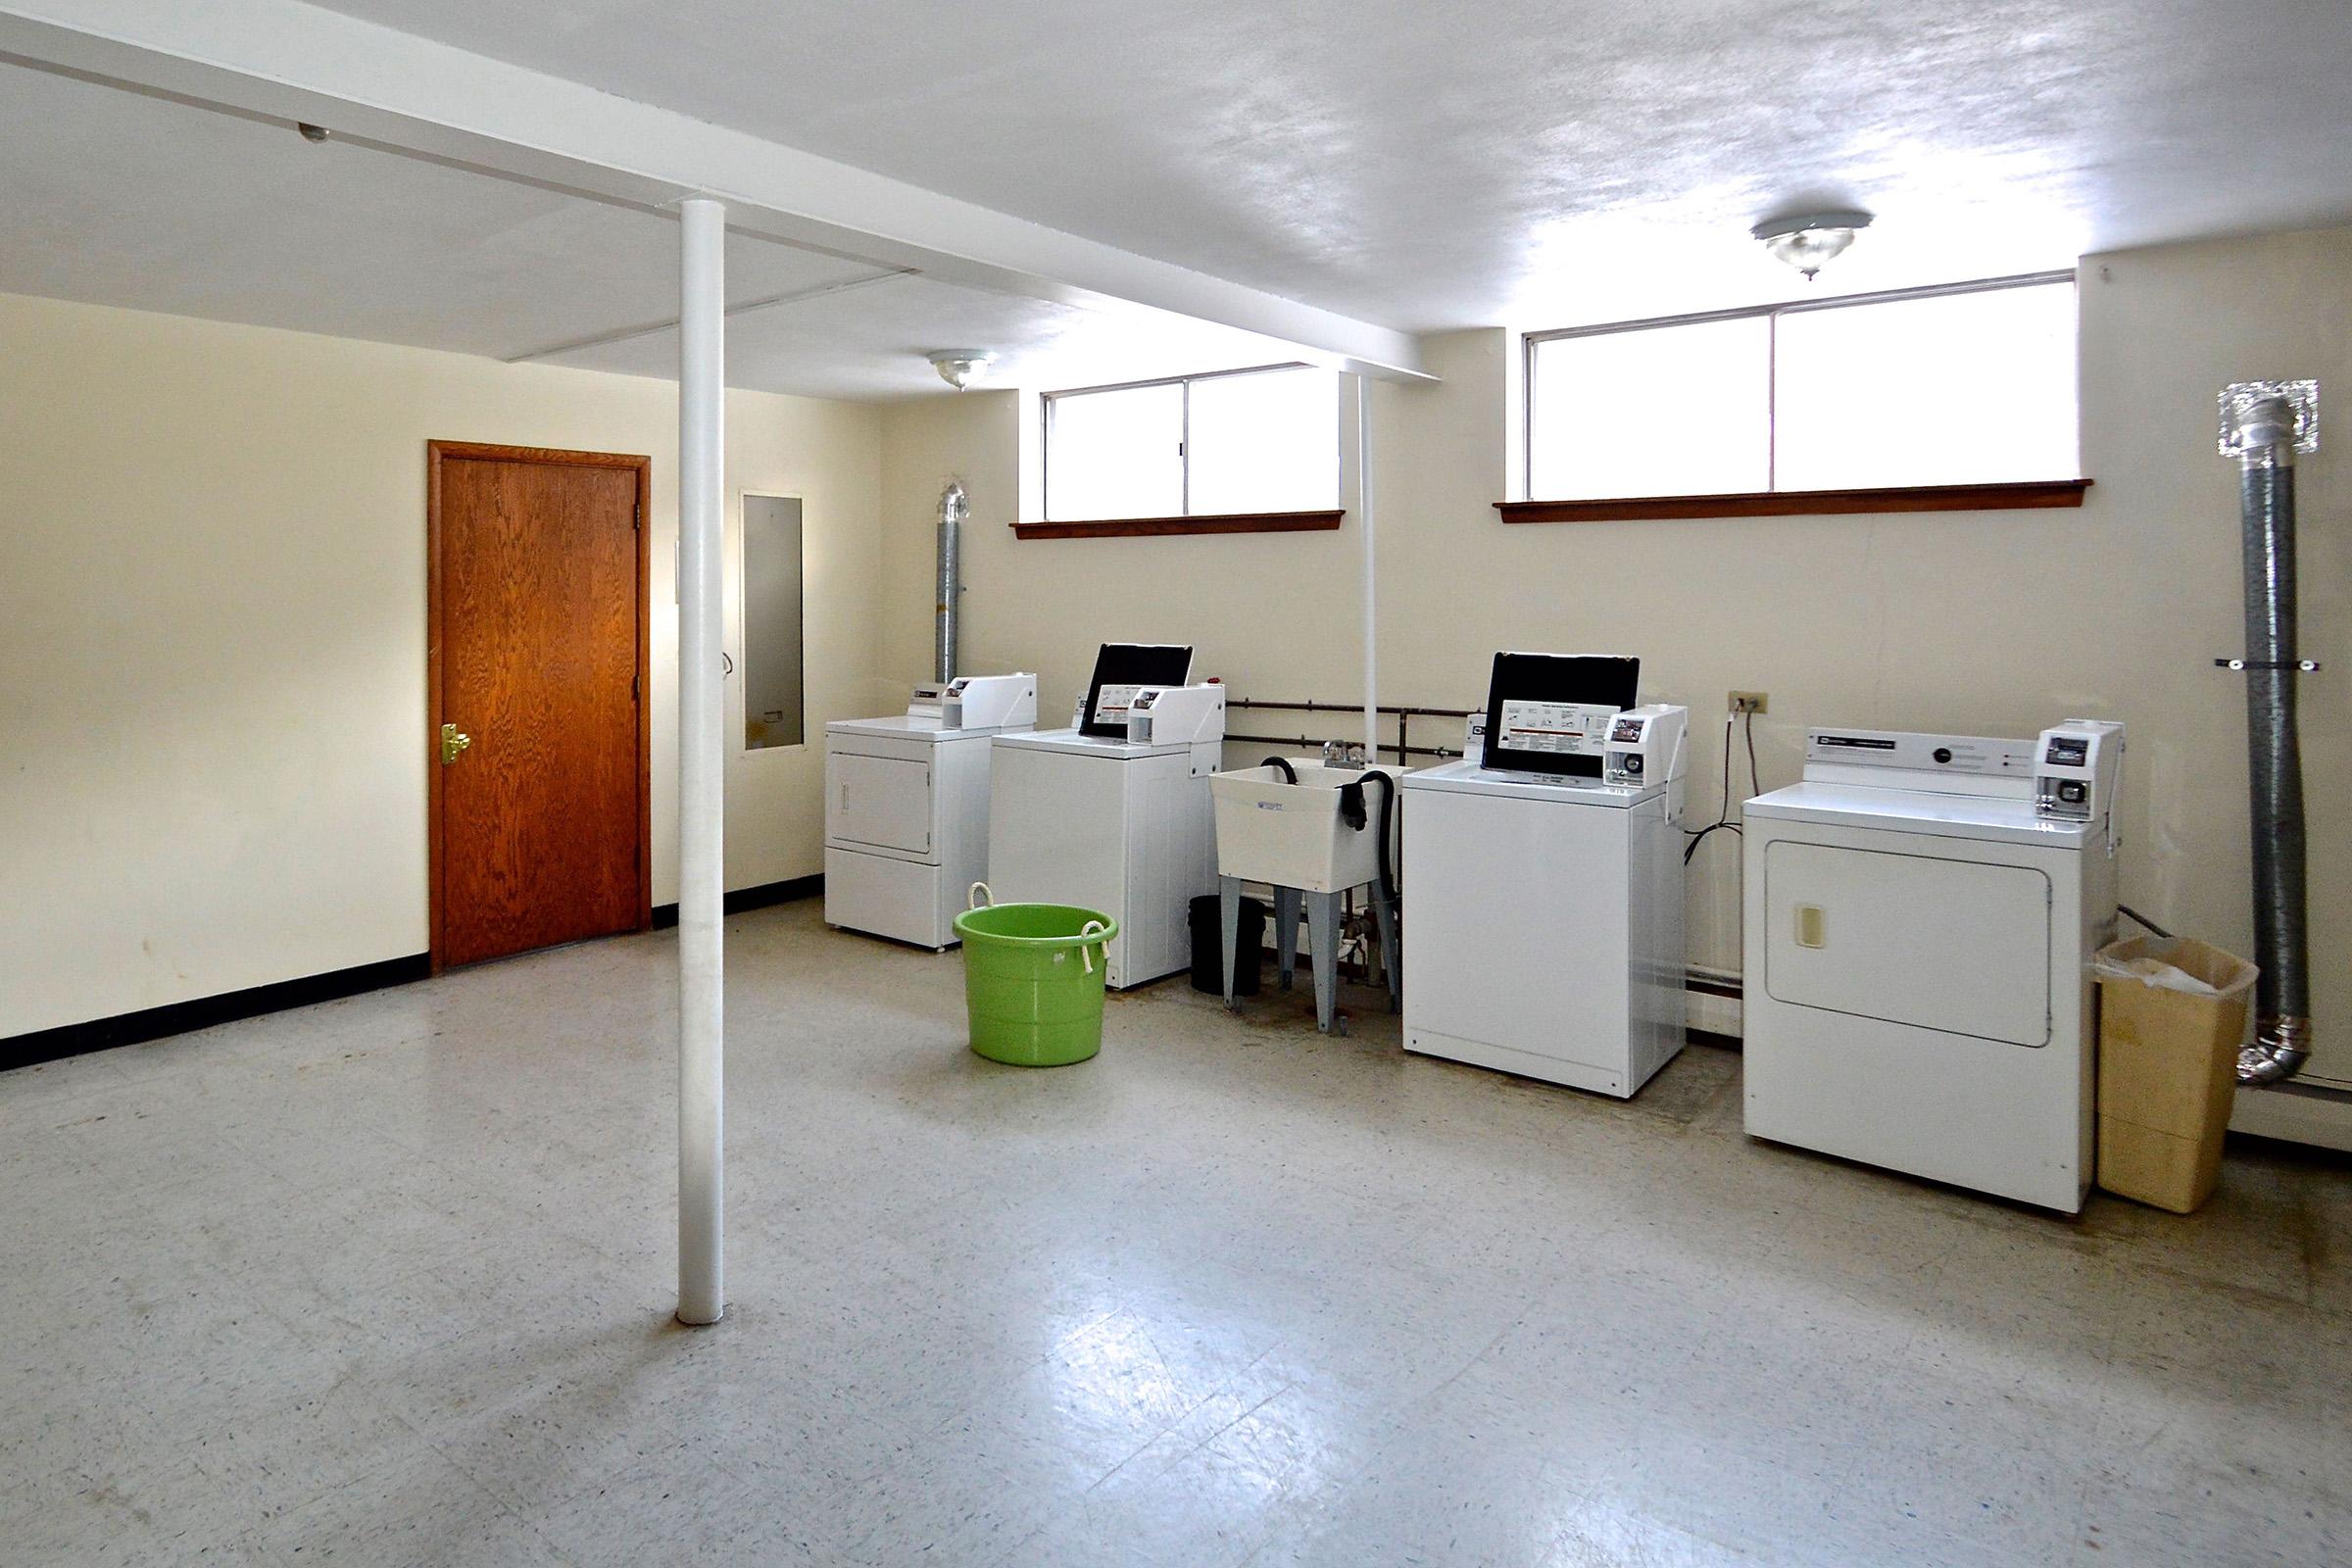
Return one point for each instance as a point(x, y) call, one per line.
point(1749, 701)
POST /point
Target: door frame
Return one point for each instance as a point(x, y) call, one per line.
point(435, 453)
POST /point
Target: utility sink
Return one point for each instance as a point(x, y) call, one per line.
point(1297, 835)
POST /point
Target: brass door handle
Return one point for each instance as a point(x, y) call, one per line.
point(453, 740)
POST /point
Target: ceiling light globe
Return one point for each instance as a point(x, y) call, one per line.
point(1810, 241)
point(961, 367)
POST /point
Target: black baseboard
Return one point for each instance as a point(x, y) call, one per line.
point(180, 1017)
point(665, 915)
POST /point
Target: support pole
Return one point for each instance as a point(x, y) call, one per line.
point(701, 765)
point(1363, 490)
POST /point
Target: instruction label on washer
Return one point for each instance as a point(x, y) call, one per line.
point(1112, 703)
point(1575, 729)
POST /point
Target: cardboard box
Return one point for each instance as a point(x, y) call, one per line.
point(2168, 1070)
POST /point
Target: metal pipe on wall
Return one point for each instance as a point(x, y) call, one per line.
point(954, 508)
point(1311, 742)
point(1364, 494)
point(2264, 424)
point(1403, 746)
point(702, 762)
point(1313, 707)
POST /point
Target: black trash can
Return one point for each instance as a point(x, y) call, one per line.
point(1250, 946)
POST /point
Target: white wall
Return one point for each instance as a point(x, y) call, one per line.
point(1995, 623)
point(212, 653)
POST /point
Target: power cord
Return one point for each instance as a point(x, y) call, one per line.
point(1723, 823)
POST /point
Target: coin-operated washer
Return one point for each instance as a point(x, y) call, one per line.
point(907, 807)
point(1921, 913)
point(1542, 881)
point(1113, 813)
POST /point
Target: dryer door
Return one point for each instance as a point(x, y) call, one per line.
point(1957, 946)
point(882, 800)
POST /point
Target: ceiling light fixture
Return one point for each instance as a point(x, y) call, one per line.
point(961, 367)
point(1810, 241)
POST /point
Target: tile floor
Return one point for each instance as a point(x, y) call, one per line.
point(387, 1282)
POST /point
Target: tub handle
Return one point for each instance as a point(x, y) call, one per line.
point(1087, 930)
point(979, 898)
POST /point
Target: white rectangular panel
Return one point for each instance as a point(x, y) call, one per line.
point(903, 900)
point(1519, 917)
point(880, 800)
point(1955, 945)
point(1171, 860)
point(1055, 824)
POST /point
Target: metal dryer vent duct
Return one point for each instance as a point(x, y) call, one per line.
point(2264, 424)
point(954, 508)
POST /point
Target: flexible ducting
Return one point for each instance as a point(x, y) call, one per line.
point(953, 509)
point(2263, 425)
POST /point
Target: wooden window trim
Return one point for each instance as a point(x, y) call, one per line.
point(2022, 495)
point(1214, 523)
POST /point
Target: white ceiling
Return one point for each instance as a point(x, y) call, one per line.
point(1431, 166)
point(120, 198)
point(1422, 167)
point(867, 343)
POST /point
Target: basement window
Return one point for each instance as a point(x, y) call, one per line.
point(1949, 398)
point(1228, 452)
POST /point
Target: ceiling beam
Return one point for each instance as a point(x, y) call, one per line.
point(282, 60)
point(670, 323)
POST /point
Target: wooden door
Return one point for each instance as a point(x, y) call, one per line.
point(541, 803)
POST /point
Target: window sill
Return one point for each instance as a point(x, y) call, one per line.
point(2014, 496)
point(1153, 527)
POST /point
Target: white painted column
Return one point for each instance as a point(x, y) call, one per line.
point(1363, 495)
point(702, 764)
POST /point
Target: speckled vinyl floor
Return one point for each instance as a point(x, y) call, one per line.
point(387, 1282)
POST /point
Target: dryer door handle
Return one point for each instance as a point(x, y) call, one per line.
point(1812, 926)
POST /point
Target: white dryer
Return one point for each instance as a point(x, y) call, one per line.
point(1919, 915)
point(907, 807)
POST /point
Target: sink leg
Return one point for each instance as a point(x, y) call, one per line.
point(1286, 933)
point(1323, 930)
point(1229, 911)
point(1388, 943)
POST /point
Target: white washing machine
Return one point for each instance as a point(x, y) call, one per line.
point(1114, 813)
point(907, 807)
point(1921, 912)
point(1543, 904)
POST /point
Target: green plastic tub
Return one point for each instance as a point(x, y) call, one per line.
point(1033, 980)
